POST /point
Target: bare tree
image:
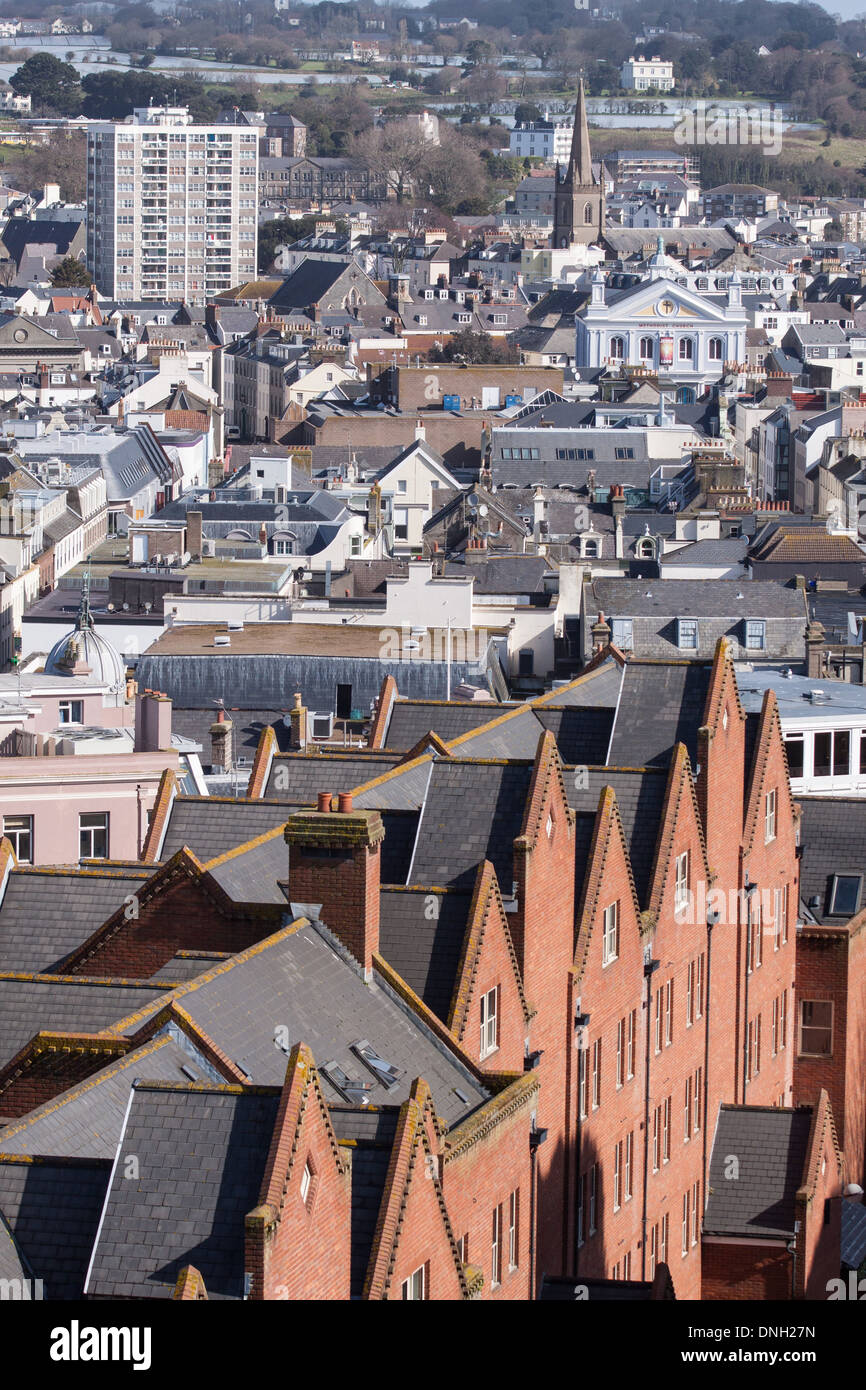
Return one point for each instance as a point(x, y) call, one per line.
point(396, 152)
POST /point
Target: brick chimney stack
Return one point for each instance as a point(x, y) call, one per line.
point(221, 743)
point(193, 534)
point(600, 634)
point(298, 716)
point(334, 859)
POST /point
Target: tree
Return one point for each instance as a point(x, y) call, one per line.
point(834, 231)
point(467, 346)
point(526, 112)
point(49, 82)
point(456, 175)
point(62, 160)
point(71, 272)
point(396, 152)
point(479, 51)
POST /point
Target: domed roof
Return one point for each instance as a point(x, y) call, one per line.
point(84, 651)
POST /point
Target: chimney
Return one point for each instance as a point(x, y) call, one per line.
point(780, 386)
point(193, 534)
point(298, 717)
point(617, 501)
point(334, 861)
point(814, 649)
point(152, 722)
point(221, 743)
point(600, 634)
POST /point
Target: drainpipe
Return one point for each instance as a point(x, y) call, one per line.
point(712, 919)
point(650, 967)
point(581, 1021)
point(748, 887)
point(536, 1139)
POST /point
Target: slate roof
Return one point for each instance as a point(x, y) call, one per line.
point(52, 1206)
point(86, 1121)
point(257, 873)
point(371, 1134)
point(672, 598)
point(727, 551)
point(204, 1153)
point(401, 828)
point(422, 945)
point(306, 285)
point(853, 1234)
point(472, 811)
point(296, 978)
point(297, 778)
point(30, 1004)
point(640, 795)
point(186, 965)
point(503, 574)
point(833, 834)
point(561, 1289)
point(47, 912)
point(661, 704)
point(210, 825)
point(771, 1147)
point(247, 726)
point(411, 719)
point(23, 232)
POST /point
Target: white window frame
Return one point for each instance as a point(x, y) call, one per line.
point(91, 831)
point(770, 801)
point(681, 881)
point(12, 834)
point(610, 936)
point(489, 1022)
point(414, 1289)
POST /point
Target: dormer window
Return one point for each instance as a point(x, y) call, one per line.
point(464, 318)
point(429, 294)
point(500, 318)
point(422, 320)
point(687, 633)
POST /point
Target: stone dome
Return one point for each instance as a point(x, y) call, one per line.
point(84, 651)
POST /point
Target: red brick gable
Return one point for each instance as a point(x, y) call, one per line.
point(167, 791)
point(379, 726)
point(413, 1228)
point(180, 907)
point(768, 742)
point(266, 749)
point(681, 822)
point(608, 869)
point(290, 1239)
point(488, 961)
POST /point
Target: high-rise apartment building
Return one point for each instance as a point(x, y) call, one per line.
point(172, 207)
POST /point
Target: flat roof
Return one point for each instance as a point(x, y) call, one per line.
point(310, 639)
point(793, 694)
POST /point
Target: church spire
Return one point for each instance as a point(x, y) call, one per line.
point(580, 161)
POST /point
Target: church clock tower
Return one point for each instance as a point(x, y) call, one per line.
point(578, 217)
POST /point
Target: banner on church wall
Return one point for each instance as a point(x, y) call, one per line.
point(666, 351)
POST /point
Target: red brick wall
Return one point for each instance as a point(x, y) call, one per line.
point(481, 1175)
point(609, 994)
point(300, 1250)
point(543, 930)
point(831, 964)
point(745, 1272)
point(180, 918)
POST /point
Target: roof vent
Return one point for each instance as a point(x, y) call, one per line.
point(222, 639)
point(818, 697)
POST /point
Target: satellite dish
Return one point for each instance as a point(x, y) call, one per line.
point(483, 509)
point(472, 502)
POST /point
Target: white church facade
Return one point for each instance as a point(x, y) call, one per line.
point(665, 327)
